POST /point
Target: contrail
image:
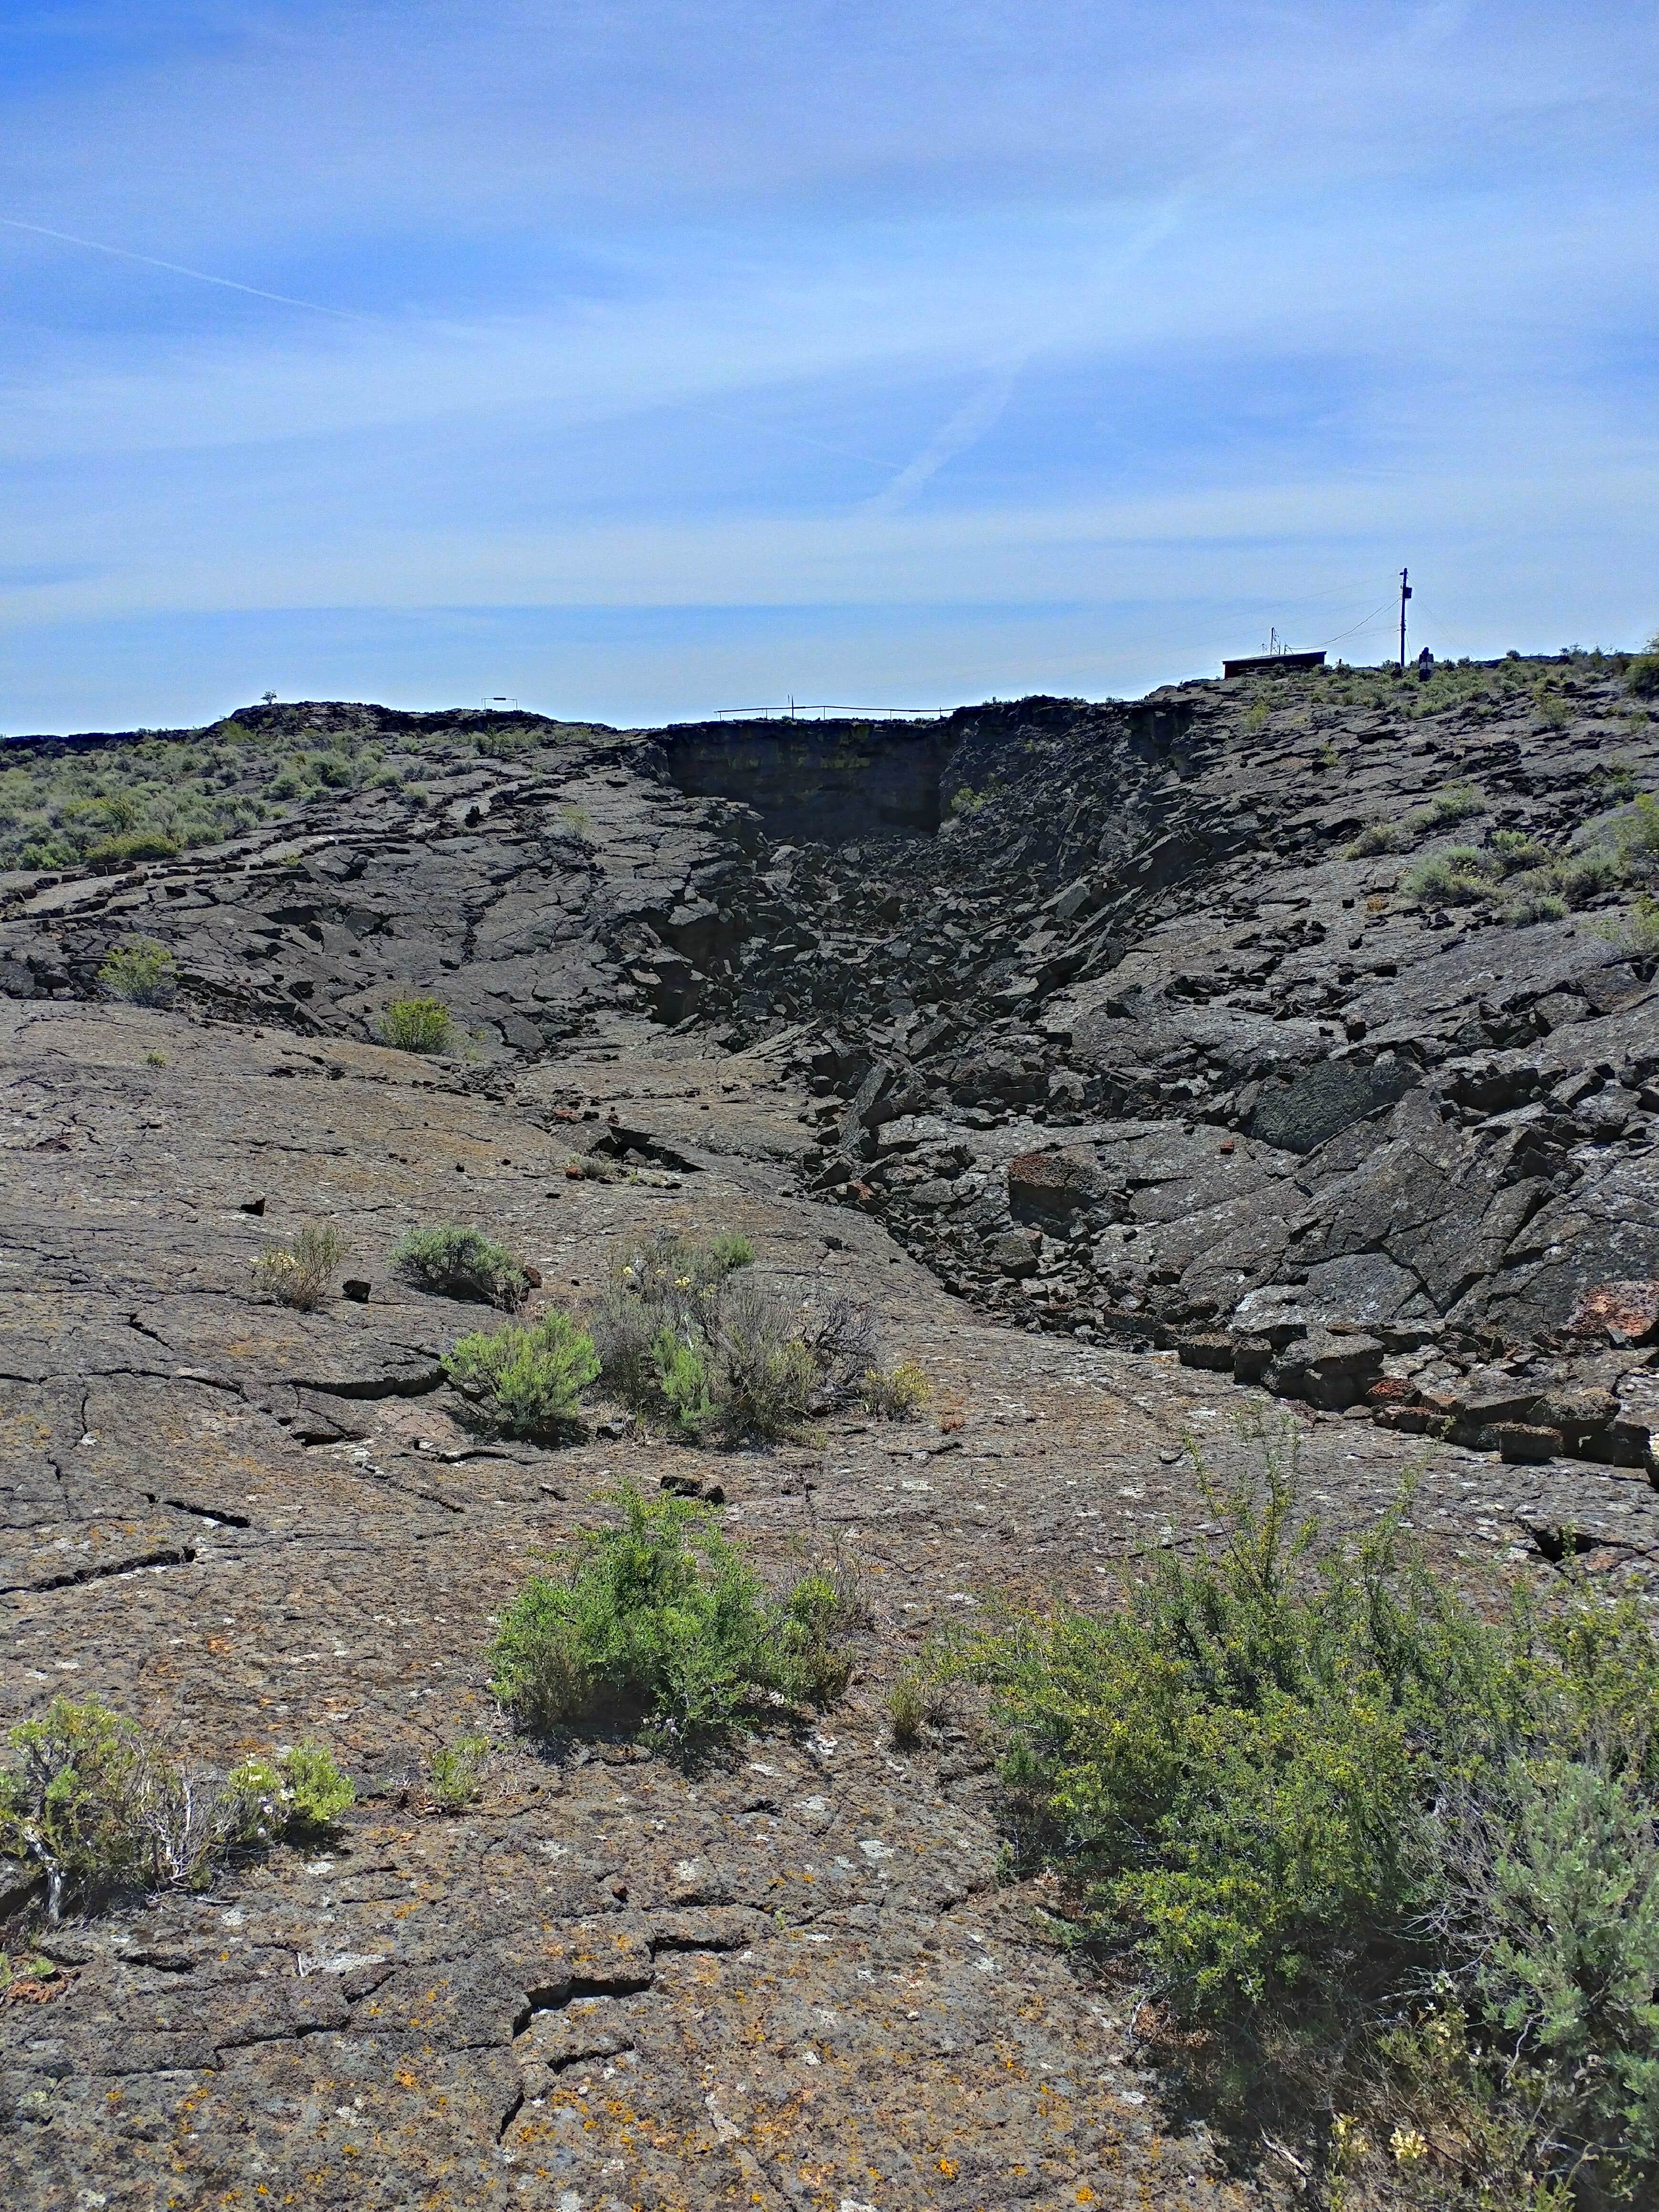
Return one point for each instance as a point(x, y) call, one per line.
point(178, 268)
point(965, 427)
point(977, 414)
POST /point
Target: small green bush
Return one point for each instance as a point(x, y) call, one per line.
point(766, 1370)
point(1457, 877)
point(1532, 897)
point(141, 971)
point(682, 1380)
point(454, 1771)
point(1565, 1885)
point(298, 1794)
point(302, 1274)
point(1637, 835)
point(659, 1624)
point(1458, 802)
point(896, 1393)
point(417, 1025)
point(966, 800)
point(1618, 777)
point(906, 1708)
point(1642, 674)
point(528, 1380)
point(1550, 707)
point(1516, 849)
point(1586, 876)
point(1637, 930)
point(683, 1337)
point(462, 1263)
point(97, 1805)
point(116, 852)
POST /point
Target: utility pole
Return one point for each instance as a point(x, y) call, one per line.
point(1405, 593)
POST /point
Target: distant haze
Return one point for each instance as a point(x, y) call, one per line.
point(635, 360)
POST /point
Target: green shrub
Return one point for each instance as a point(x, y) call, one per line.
point(681, 1382)
point(1618, 777)
point(1457, 802)
point(1457, 877)
point(97, 1805)
point(658, 1623)
point(141, 971)
point(462, 1263)
point(1298, 1787)
point(896, 1393)
point(527, 1380)
point(302, 1274)
point(728, 1252)
point(766, 1368)
point(1642, 674)
point(966, 800)
point(1637, 930)
point(1584, 877)
point(116, 852)
point(1532, 897)
point(454, 1771)
point(1564, 1888)
point(1551, 707)
point(684, 1338)
point(1516, 849)
point(1378, 837)
point(1637, 835)
point(417, 1025)
point(906, 1708)
point(298, 1794)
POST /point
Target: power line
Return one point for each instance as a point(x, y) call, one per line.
point(1371, 618)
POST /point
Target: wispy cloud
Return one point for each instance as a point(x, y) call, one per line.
point(642, 304)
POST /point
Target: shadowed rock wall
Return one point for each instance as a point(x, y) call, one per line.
point(823, 782)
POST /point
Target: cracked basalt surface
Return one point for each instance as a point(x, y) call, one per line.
point(796, 1977)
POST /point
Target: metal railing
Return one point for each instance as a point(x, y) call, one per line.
point(796, 711)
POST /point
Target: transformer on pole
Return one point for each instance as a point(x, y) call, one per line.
point(1405, 593)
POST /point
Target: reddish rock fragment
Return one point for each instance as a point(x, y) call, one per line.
point(1624, 1312)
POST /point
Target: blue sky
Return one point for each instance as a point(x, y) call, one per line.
point(639, 360)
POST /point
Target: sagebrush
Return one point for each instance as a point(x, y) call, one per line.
point(92, 1801)
point(418, 1025)
point(462, 1263)
point(658, 1623)
point(1303, 1786)
point(455, 1770)
point(687, 1337)
point(140, 970)
point(527, 1381)
point(301, 1272)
